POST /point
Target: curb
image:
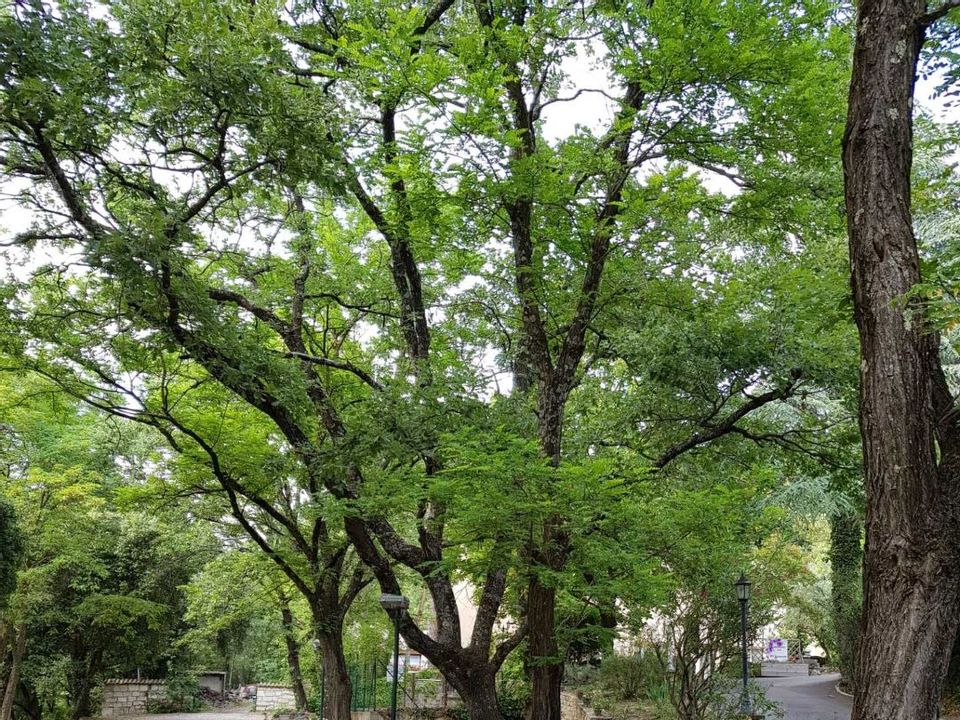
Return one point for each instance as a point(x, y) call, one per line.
point(841, 692)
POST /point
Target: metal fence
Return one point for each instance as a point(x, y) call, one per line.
point(372, 687)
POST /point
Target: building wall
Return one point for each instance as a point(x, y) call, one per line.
point(130, 697)
point(213, 680)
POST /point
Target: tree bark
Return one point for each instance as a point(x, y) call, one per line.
point(846, 559)
point(545, 659)
point(907, 422)
point(293, 655)
point(478, 690)
point(13, 678)
point(338, 689)
point(545, 663)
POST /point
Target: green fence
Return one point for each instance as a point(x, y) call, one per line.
point(371, 688)
point(417, 689)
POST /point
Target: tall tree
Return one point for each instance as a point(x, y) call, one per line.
point(268, 278)
point(908, 418)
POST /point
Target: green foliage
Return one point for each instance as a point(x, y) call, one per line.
point(630, 677)
point(98, 582)
point(182, 694)
point(11, 549)
point(245, 187)
point(846, 558)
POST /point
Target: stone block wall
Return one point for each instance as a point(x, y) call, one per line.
point(272, 697)
point(781, 669)
point(130, 697)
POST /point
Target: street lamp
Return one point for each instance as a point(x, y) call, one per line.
point(743, 595)
point(395, 605)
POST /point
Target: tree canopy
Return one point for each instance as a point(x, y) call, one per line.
point(425, 296)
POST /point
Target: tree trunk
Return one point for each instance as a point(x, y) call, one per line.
point(85, 665)
point(336, 680)
point(80, 704)
point(293, 655)
point(906, 419)
point(846, 558)
point(478, 690)
point(546, 667)
point(545, 659)
point(13, 678)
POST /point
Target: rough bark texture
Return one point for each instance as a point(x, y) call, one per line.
point(336, 679)
point(293, 655)
point(546, 663)
point(846, 560)
point(479, 694)
point(906, 411)
point(545, 657)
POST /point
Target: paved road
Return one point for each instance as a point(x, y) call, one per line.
point(808, 698)
point(225, 714)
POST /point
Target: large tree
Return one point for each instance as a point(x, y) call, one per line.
point(911, 442)
point(290, 266)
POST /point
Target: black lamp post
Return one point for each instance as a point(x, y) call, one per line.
point(395, 605)
point(743, 595)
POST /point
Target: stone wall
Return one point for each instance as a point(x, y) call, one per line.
point(272, 697)
point(784, 669)
point(130, 697)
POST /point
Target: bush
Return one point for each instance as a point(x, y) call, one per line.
point(512, 705)
point(629, 677)
point(183, 694)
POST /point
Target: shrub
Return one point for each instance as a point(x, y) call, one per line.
point(629, 677)
point(183, 694)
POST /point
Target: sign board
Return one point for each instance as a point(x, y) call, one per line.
point(775, 650)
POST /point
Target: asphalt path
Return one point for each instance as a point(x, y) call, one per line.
point(808, 698)
point(225, 714)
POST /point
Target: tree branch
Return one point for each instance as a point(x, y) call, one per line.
point(337, 364)
point(937, 13)
point(728, 424)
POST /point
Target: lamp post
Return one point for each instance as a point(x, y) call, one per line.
point(743, 596)
point(394, 605)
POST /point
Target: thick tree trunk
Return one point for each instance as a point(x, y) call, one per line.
point(846, 560)
point(293, 655)
point(546, 666)
point(13, 678)
point(478, 690)
point(336, 680)
point(907, 425)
